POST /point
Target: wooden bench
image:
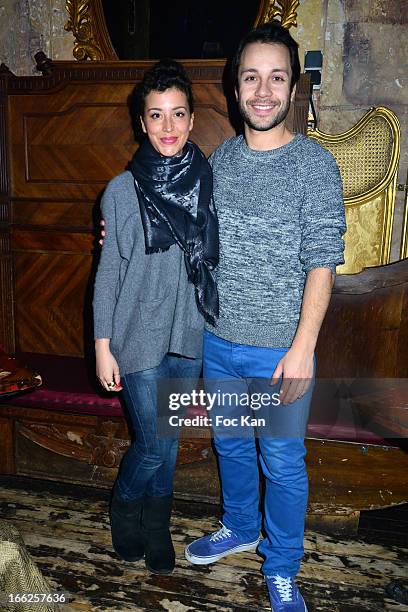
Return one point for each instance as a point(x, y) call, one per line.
point(70, 431)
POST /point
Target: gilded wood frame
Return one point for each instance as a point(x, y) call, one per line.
point(92, 41)
point(386, 187)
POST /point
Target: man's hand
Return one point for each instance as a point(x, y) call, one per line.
point(296, 366)
point(107, 369)
point(296, 370)
point(103, 233)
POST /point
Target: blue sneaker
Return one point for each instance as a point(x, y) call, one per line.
point(221, 543)
point(284, 595)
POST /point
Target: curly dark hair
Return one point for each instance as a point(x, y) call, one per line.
point(271, 32)
point(165, 74)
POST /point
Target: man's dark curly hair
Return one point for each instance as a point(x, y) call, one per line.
point(165, 74)
point(273, 33)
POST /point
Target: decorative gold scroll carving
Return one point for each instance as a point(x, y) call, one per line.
point(80, 23)
point(279, 10)
point(87, 23)
point(107, 449)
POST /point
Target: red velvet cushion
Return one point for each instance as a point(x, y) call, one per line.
point(69, 385)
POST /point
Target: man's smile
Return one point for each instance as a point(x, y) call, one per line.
point(262, 107)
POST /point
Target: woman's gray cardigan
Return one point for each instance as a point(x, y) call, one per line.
point(143, 303)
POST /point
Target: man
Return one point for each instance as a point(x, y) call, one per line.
point(281, 215)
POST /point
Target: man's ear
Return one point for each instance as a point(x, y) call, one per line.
point(236, 93)
point(191, 122)
point(143, 125)
point(293, 94)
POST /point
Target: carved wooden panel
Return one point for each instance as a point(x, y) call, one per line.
point(355, 476)
point(49, 290)
point(58, 215)
point(102, 447)
point(69, 143)
point(87, 450)
point(6, 265)
point(7, 455)
point(56, 152)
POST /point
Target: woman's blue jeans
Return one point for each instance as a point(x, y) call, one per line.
point(243, 369)
point(148, 466)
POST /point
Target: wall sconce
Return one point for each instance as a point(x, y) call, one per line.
point(313, 66)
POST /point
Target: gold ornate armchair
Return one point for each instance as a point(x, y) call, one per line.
point(367, 156)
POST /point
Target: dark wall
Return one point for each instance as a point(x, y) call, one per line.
point(143, 29)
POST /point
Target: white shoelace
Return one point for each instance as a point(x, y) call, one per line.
point(283, 586)
point(222, 533)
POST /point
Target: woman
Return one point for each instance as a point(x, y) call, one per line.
point(153, 290)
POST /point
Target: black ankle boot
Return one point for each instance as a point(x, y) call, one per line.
point(126, 527)
point(159, 550)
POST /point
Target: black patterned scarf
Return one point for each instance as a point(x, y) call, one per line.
point(176, 206)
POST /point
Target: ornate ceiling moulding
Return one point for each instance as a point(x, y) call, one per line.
point(87, 24)
point(281, 10)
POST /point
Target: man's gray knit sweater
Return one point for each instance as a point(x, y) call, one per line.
point(281, 213)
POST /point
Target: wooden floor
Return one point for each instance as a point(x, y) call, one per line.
point(66, 530)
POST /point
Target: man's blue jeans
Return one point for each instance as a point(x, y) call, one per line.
point(148, 466)
point(235, 366)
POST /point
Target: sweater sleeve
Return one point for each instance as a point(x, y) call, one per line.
point(322, 217)
point(107, 275)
